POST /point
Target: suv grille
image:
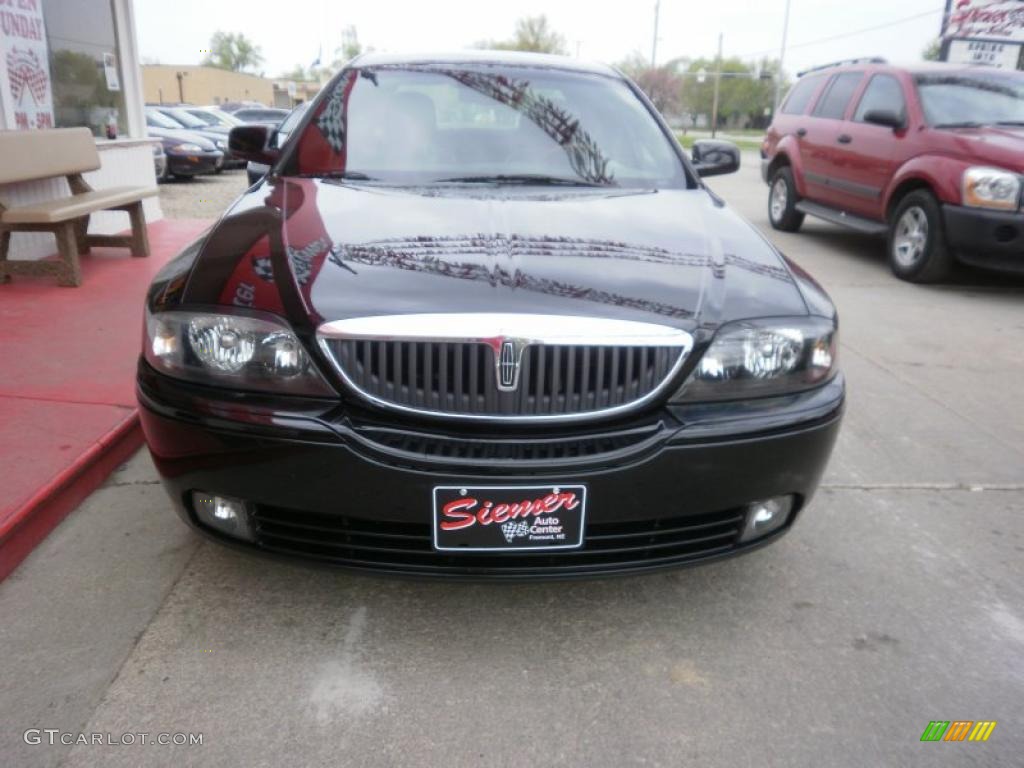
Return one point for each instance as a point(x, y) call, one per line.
point(514, 369)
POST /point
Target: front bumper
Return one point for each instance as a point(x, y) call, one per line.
point(332, 485)
point(992, 239)
point(194, 164)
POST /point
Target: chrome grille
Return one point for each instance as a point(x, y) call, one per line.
point(557, 376)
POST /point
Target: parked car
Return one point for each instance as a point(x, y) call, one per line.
point(217, 135)
point(929, 155)
point(260, 115)
point(188, 153)
point(213, 116)
point(523, 340)
point(257, 171)
point(232, 106)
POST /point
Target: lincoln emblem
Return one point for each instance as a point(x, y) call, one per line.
point(508, 366)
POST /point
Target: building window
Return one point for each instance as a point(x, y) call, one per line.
point(84, 67)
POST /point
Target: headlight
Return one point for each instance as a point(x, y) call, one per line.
point(758, 358)
point(991, 188)
point(225, 349)
point(189, 149)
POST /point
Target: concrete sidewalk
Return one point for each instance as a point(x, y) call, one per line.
point(895, 601)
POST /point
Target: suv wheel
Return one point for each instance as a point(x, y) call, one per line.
point(782, 200)
point(917, 242)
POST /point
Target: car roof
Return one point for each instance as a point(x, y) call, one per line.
point(510, 58)
point(918, 68)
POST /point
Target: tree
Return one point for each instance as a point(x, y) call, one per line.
point(663, 85)
point(299, 72)
point(932, 51)
point(533, 33)
point(745, 92)
point(232, 51)
point(350, 45)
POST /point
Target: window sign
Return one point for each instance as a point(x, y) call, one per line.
point(25, 85)
point(110, 72)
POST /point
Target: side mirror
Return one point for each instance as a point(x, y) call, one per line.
point(885, 117)
point(252, 142)
point(714, 158)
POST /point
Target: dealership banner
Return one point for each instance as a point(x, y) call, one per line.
point(993, 20)
point(25, 87)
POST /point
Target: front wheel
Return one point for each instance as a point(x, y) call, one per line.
point(782, 200)
point(917, 242)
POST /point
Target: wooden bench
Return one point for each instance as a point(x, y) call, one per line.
point(68, 152)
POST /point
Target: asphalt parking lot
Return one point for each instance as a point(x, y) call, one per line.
point(898, 599)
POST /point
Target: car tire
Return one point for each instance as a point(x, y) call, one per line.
point(782, 200)
point(917, 246)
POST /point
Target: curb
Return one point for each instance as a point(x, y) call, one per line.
point(41, 513)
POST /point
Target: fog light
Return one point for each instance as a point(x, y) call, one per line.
point(224, 514)
point(763, 517)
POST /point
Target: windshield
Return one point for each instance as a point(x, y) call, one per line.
point(433, 123)
point(186, 119)
point(211, 117)
point(971, 98)
point(159, 120)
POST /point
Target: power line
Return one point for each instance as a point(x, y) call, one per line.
point(854, 33)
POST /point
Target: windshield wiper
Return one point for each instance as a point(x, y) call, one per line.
point(522, 178)
point(964, 124)
point(1009, 122)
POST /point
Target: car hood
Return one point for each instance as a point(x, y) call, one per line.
point(675, 257)
point(1002, 146)
point(182, 136)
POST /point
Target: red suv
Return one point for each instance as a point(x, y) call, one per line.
point(930, 155)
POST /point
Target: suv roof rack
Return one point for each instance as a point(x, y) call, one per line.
point(863, 60)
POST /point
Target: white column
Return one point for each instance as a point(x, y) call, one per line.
point(131, 72)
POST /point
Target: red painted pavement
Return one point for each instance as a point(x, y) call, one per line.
point(67, 395)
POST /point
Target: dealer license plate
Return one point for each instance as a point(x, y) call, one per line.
point(508, 518)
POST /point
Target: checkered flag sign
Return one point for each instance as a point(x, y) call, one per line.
point(330, 123)
point(26, 73)
point(513, 530)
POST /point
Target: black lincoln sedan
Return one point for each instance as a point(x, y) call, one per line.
point(483, 319)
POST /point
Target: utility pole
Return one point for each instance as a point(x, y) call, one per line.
point(943, 38)
point(654, 43)
point(782, 58)
point(718, 82)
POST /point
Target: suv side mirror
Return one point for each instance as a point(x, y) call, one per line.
point(252, 142)
point(885, 117)
point(714, 158)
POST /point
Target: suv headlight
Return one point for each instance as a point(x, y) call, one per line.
point(759, 358)
point(991, 188)
point(188, 149)
point(232, 350)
